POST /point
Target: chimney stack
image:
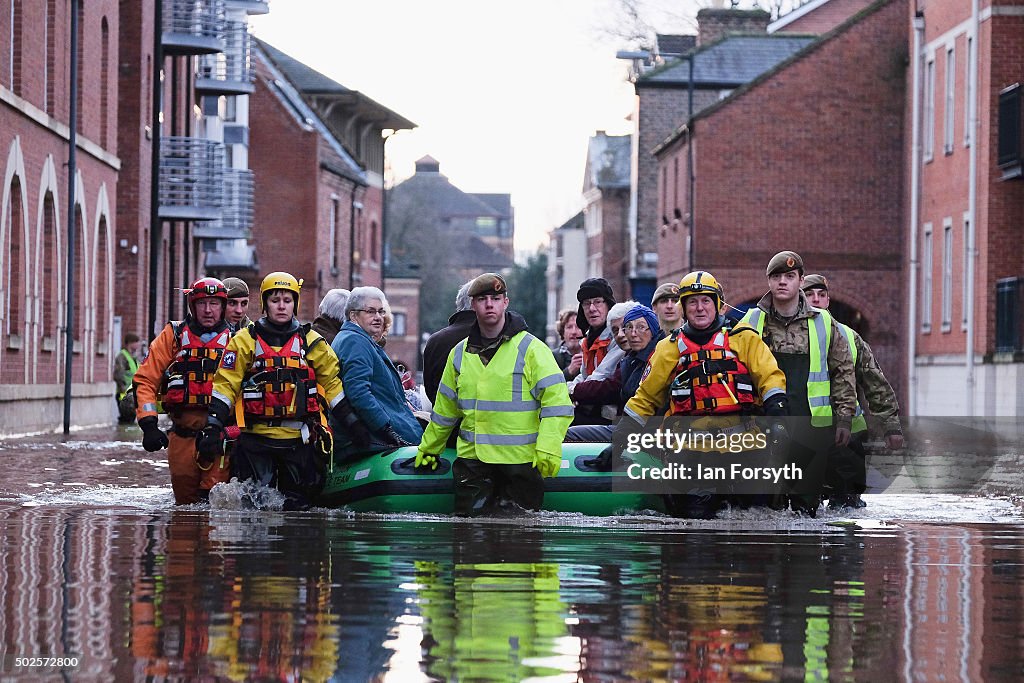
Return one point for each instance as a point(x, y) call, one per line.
point(713, 24)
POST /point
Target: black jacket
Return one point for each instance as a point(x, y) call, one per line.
point(439, 345)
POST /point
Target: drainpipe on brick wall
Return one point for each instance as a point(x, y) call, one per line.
point(69, 327)
point(972, 207)
point(915, 201)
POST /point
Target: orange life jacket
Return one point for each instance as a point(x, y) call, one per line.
point(594, 354)
point(188, 380)
point(710, 379)
point(280, 384)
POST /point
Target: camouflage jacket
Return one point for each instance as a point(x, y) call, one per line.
point(878, 394)
point(791, 336)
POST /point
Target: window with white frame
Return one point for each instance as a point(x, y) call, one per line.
point(968, 91)
point(398, 324)
point(947, 274)
point(964, 272)
point(926, 279)
point(947, 133)
point(929, 110)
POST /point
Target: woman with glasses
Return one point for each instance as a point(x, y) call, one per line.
point(372, 383)
point(640, 332)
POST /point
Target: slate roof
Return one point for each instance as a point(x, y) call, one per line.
point(730, 62)
point(608, 161)
point(301, 76)
point(449, 200)
point(304, 115)
point(502, 203)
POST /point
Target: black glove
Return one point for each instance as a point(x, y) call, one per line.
point(389, 437)
point(210, 441)
point(777, 406)
point(350, 422)
point(153, 438)
point(603, 461)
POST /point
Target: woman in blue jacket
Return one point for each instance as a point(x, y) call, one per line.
point(372, 384)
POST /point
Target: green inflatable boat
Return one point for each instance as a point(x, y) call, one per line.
point(389, 482)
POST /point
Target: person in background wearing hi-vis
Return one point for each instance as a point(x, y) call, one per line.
point(126, 364)
point(813, 353)
point(848, 476)
point(505, 387)
point(178, 373)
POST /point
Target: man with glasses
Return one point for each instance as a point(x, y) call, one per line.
point(600, 354)
point(505, 387)
point(372, 382)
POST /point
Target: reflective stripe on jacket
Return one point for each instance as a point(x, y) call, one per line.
point(859, 423)
point(511, 408)
point(819, 387)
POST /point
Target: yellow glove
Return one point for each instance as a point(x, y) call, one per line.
point(426, 460)
point(547, 464)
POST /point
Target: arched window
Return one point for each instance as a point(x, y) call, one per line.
point(15, 287)
point(374, 254)
point(51, 295)
point(77, 322)
point(102, 292)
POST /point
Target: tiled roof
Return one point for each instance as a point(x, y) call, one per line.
point(304, 78)
point(449, 200)
point(734, 60)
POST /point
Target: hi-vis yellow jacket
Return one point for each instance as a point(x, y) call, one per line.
point(512, 408)
point(238, 358)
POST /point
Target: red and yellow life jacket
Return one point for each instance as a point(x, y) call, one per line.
point(280, 384)
point(188, 380)
point(710, 379)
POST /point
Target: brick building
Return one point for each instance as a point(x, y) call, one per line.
point(35, 124)
point(732, 48)
point(606, 210)
point(567, 268)
point(120, 283)
point(807, 156)
point(965, 199)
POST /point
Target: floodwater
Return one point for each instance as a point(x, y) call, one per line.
point(98, 566)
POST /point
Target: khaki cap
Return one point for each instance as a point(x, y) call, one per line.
point(236, 287)
point(814, 280)
point(784, 262)
point(488, 283)
point(669, 290)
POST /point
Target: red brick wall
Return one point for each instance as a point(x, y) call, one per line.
point(403, 297)
point(34, 257)
point(615, 240)
point(826, 17)
point(714, 24)
point(807, 160)
point(661, 111)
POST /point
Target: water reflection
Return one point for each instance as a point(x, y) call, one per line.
point(232, 595)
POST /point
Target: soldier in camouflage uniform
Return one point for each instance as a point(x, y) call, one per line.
point(872, 385)
point(820, 385)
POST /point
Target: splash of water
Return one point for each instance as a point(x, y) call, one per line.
point(245, 495)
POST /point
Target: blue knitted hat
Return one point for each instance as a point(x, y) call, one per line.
point(641, 311)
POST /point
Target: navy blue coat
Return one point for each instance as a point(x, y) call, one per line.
point(372, 384)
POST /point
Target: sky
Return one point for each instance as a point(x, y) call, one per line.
point(505, 94)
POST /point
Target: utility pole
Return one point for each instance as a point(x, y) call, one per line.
point(69, 325)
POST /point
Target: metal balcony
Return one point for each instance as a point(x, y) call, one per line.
point(191, 178)
point(250, 6)
point(228, 72)
point(235, 221)
point(192, 27)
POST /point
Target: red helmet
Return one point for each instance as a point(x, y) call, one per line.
point(205, 288)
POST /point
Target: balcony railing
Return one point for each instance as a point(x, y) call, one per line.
point(228, 72)
point(250, 6)
point(235, 221)
point(191, 178)
point(193, 27)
